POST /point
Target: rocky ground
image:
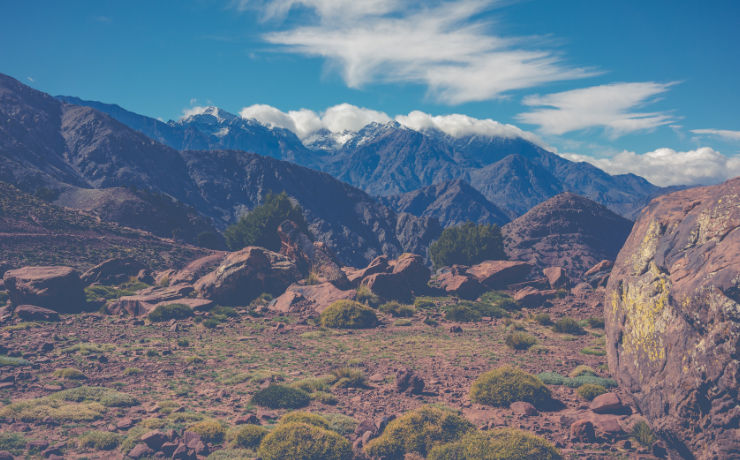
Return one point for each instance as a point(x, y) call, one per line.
point(186, 370)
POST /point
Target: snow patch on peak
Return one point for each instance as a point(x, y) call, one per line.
point(197, 112)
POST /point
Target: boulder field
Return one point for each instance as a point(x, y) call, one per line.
point(672, 313)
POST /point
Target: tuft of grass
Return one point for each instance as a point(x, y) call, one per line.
point(281, 397)
point(170, 311)
point(500, 300)
point(596, 323)
point(467, 311)
point(642, 432)
point(366, 296)
point(398, 310)
point(347, 314)
point(519, 340)
point(543, 319)
point(99, 440)
point(347, 377)
point(580, 370)
point(15, 443)
point(553, 378)
point(132, 371)
point(568, 326)
point(69, 373)
point(589, 391)
point(501, 443)
point(506, 384)
point(211, 431)
point(595, 351)
point(247, 436)
point(13, 361)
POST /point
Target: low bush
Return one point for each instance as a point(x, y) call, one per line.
point(398, 310)
point(347, 314)
point(553, 378)
point(501, 300)
point(347, 377)
point(593, 351)
point(580, 370)
point(589, 391)
point(519, 340)
point(211, 431)
point(596, 323)
point(467, 311)
point(366, 296)
point(424, 303)
point(568, 326)
point(69, 373)
point(498, 444)
point(507, 384)
point(281, 397)
point(543, 319)
point(99, 440)
point(642, 432)
point(211, 323)
point(15, 443)
point(300, 441)
point(308, 418)
point(418, 431)
point(170, 311)
point(247, 436)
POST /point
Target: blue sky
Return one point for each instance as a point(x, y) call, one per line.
point(649, 87)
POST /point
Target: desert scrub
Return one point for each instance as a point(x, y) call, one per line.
point(132, 371)
point(347, 377)
point(72, 405)
point(596, 323)
point(69, 373)
point(211, 431)
point(232, 454)
point(86, 349)
point(366, 296)
point(519, 340)
point(466, 311)
point(99, 440)
point(300, 441)
point(568, 326)
point(246, 436)
point(211, 323)
point(553, 378)
point(589, 391)
point(15, 443)
point(342, 424)
point(418, 431)
point(308, 418)
point(500, 300)
point(642, 432)
point(507, 384)
point(580, 370)
point(543, 319)
point(594, 351)
point(281, 397)
point(424, 303)
point(398, 310)
point(13, 361)
point(170, 311)
point(498, 444)
point(347, 314)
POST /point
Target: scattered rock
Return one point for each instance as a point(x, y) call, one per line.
point(455, 329)
point(57, 288)
point(409, 382)
point(607, 427)
point(249, 419)
point(556, 277)
point(34, 313)
point(140, 451)
point(672, 319)
point(310, 257)
point(582, 431)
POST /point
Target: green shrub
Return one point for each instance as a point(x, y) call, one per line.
point(366, 296)
point(281, 397)
point(308, 418)
point(247, 436)
point(580, 370)
point(342, 424)
point(543, 319)
point(594, 351)
point(211, 323)
point(12, 361)
point(171, 311)
point(589, 391)
point(15, 443)
point(553, 378)
point(228, 312)
point(69, 373)
point(501, 300)
point(259, 226)
point(347, 314)
point(347, 377)
point(467, 244)
point(424, 303)
point(418, 431)
point(519, 340)
point(466, 311)
point(184, 343)
point(596, 323)
point(300, 441)
point(211, 431)
point(642, 432)
point(568, 326)
point(398, 310)
point(99, 440)
point(132, 371)
point(498, 444)
point(507, 384)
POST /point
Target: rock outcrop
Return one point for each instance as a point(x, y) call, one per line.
point(311, 257)
point(113, 271)
point(245, 274)
point(672, 313)
point(57, 288)
point(402, 279)
point(566, 231)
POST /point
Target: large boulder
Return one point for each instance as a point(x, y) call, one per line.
point(113, 271)
point(56, 288)
point(672, 313)
point(311, 257)
point(245, 274)
point(313, 297)
point(377, 265)
point(197, 269)
point(456, 281)
point(498, 274)
point(147, 300)
point(401, 278)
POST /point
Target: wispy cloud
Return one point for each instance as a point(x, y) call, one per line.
point(613, 106)
point(723, 133)
point(669, 167)
point(440, 44)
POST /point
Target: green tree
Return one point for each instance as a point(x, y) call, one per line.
point(259, 226)
point(467, 244)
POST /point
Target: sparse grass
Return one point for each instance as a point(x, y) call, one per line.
point(580, 370)
point(171, 311)
point(347, 377)
point(99, 292)
point(211, 431)
point(594, 351)
point(568, 326)
point(642, 432)
point(13, 361)
point(22, 326)
point(500, 300)
point(211, 323)
point(398, 310)
point(132, 371)
point(342, 424)
point(424, 303)
point(543, 319)
point(99, 440)
point(553, 378)
point(69, 373)
point(596, 323)
point(15, 443)
point(519, 340)
point(86, 349)
point(498, 444)
point(466, 311)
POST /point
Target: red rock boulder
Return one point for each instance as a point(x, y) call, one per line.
point(57, 288)
point(498, 274)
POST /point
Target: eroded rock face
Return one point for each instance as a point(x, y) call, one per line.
point(672, 313)
point(57, 288)
point(113, 271)
point(246, 274)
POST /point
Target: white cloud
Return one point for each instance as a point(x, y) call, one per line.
point(668, 167)
point(610, 106)
point(723, 133)
point(439, 44)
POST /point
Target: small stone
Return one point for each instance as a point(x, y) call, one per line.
point(582, 431)
point(608, 403)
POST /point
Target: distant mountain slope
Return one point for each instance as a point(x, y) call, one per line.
point(567, 230)
point(390, 159)
point(451, 203)
point(81, 148)
point(34, 232)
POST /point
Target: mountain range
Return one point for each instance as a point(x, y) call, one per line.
point(386, 159)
